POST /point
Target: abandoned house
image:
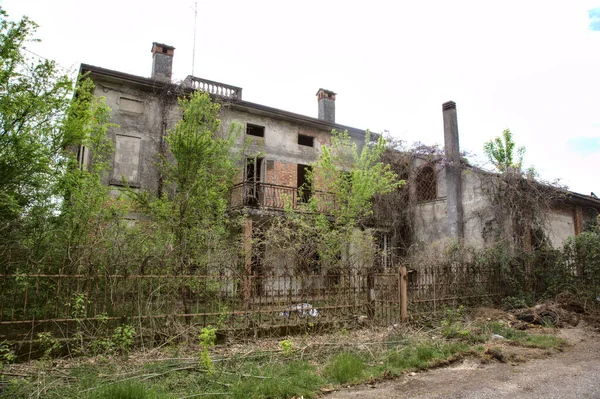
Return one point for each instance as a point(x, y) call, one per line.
point(444, 196)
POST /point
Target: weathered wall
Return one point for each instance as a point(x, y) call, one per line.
point(476, 208)
point(280, 143)
point(560, 226)
point(138, 115)
point(430, 217)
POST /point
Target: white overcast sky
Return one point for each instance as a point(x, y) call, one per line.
point(532, 66)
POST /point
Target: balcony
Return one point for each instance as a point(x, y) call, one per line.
point(274, 197)
point(215, 88)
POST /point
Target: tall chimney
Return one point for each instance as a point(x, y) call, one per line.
point(453, 171)
point(162, 61)
point(326, 100)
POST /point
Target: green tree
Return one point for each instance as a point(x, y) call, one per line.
point(328, 230)
point(501, 153)
point(199, 173)
point(34, 98)
point(50, 209)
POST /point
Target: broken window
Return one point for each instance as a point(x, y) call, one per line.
point(308, 141)
point(304, 185)
point(255, 130)
point(253, 176)
point(426, 183)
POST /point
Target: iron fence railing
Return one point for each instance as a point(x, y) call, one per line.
point(32, 303)
point(276, 197)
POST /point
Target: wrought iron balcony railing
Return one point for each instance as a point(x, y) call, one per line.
point(275, 197)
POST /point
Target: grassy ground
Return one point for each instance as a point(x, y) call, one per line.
point(293, 369)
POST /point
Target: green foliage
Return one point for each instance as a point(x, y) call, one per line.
point(452, 326)
point(423, 355)
point(48, 344)
point(34, 97)
point(79, 305)
point(289, 380)
point(320, 233)
point(523, 338)
point(575, 268)
point(123, 338)
point(501, 153)
point(287, 346)
point(199, 173)
point(353, 175)
point(126, 390)
point(208, 337)
point(6, 355)
point(344, 368)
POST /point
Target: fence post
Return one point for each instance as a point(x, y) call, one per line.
point(247, 247)
point(403, 282)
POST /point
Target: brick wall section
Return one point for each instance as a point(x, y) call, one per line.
point(286, 173)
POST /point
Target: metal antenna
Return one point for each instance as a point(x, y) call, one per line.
point(194, 49)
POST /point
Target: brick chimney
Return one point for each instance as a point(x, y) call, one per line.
point(326, 100)
point(453, 171)
point(162, 61)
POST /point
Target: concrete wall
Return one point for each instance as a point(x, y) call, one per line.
point(138, 115)
point(280, 143)
point(431, 224)
point(561, 226)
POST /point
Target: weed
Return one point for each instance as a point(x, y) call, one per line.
point(208, 336)
point(452, 326)
point(345, 367)
point(286, 346)
point(6, 355)
point(126, 390)
point(294, 379)
point(123, 338)
point(423, 355)
point(48, 344)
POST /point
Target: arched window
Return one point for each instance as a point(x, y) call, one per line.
point(426, 184)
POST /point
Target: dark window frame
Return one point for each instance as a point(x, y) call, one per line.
point(255, 130)
point(306, 140)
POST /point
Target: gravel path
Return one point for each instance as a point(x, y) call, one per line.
point(574, 373)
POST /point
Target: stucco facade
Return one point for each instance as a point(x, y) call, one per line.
point(278, 145)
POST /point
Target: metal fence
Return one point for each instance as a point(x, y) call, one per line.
point(432, 288)
point(62, 304)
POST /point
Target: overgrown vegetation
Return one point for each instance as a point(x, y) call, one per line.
point(326, 234)
point(314, 368)
point(58, 217)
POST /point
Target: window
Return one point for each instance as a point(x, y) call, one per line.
point(255, 130)
point(304, 186)
point(83, 155)
point(127, 160)
point(308, 141)
point(426, 184)
point(253, 176)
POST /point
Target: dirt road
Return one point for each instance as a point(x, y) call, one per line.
point(573, 373)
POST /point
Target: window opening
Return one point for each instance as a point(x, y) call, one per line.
point(308, 141)
point(253, 178)
point(255, 130)
point(304, 186)
point(426, 184)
